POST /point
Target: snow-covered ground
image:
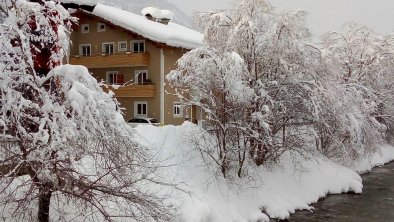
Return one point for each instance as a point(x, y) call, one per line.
point(383, 156)
point(278, 191)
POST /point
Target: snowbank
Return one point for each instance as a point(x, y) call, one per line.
point(384, 155)
point(291, 185)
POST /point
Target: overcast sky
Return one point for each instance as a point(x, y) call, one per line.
point(324, 15)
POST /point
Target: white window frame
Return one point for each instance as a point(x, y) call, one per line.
point(137, 72)
point(180, 106)
point(136, 103)
point(132, 46)
point(107, 74)
point(99, 27)
point(108, 43)
point(81, 51)
point(122, 49)
point(83, 28)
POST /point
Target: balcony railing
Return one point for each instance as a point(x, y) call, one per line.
point(145, 91)
point(124, 59)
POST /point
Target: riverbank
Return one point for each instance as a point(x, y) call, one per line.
point(375, 204)
point(384, 155)
point(353, 207)
point(279, 191)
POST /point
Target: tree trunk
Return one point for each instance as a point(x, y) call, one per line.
point(44, 203)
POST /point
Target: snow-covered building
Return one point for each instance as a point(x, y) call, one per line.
point(133, 53)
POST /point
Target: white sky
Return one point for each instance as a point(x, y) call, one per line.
point(324, 15)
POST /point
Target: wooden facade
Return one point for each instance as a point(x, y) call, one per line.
point(140, 91)
point(109, 61)
point(149, 64)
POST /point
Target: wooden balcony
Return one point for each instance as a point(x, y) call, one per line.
point(146, 91)
point(110, 61)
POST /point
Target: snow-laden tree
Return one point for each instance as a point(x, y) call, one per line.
point(65, 151)
point(276, 65)
point(278, 58)
point(335, 97)
point(217, 84)
point(344, 131)
point(357, 53)
point(356, 103)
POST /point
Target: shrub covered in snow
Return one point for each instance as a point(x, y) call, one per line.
point(272, 102)
point(354, 100)
point(333, 98)
point(66, 152)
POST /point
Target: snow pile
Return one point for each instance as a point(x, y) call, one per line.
point(291, 185)
point(171, 34)
point(157, 13)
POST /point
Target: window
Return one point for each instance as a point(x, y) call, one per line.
point(122, 46)
point(100, 27)
point(85, 50)
point(85, 28)
point(140, 109)
point(138, 46)
point(178, 110)
point(114, 78)
point(108, 48)
point(141, 77)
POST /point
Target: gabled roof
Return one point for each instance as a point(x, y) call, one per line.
point(172, 34)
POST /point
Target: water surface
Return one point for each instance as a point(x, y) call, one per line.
point(375, 204)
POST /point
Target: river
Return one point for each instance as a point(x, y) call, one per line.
point(375, 204)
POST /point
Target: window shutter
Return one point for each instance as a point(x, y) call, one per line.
point(120, 79)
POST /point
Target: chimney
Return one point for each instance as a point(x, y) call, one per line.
point(150, 17)
point(157, 15)
point(163, 21)
point(165, 16)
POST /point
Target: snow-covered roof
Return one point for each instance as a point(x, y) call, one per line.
point(157, 13)
point(172, 34)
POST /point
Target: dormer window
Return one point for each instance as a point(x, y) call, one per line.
point(138, 46)
point(101, 27)
point(84, 28)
